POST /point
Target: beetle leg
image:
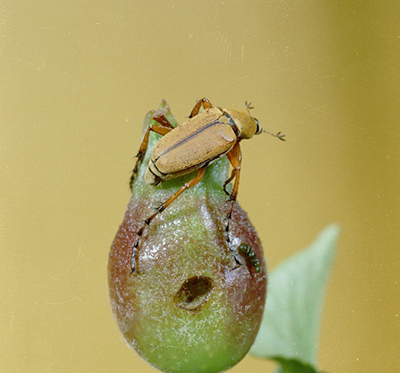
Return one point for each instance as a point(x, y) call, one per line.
point(189, 184)
point(235, 158)
point(161, 118)
point(206, 105)
point(161, 130)
point(233, 174)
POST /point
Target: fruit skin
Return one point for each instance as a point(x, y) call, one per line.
point(192, 309)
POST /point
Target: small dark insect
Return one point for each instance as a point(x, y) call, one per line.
point(250, 255)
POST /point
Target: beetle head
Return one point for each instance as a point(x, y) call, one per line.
point(259, 128)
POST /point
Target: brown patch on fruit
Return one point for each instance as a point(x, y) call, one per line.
point(194, 293)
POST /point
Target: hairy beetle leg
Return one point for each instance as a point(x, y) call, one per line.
point(203, 102)
point(228, 241)
point(189, 184)
point(162, 129)
point(235, 158)
point(162, 119)
point(135, 265)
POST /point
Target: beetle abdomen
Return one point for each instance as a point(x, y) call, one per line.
point(192, 145)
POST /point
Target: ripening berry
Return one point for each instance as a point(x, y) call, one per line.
point(195, 306)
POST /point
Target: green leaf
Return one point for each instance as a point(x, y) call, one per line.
point(293, 366)
point(290, 327)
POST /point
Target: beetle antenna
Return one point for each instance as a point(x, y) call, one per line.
point(279, 135)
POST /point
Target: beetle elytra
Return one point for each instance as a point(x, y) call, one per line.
point(192, 146)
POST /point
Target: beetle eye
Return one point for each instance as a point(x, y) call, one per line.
point(258, 129)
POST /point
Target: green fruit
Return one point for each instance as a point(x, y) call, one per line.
point(193, 308)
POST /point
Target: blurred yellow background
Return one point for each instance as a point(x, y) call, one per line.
point(76, 79)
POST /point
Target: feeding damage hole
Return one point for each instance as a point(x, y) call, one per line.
point(194, 293)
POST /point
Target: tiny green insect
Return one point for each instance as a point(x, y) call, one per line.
point(251, 256)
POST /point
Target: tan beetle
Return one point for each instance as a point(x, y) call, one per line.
point(193, 145)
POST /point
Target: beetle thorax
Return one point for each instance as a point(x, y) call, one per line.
point(245, 123)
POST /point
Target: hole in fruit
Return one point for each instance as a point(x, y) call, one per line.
point(194, 293)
